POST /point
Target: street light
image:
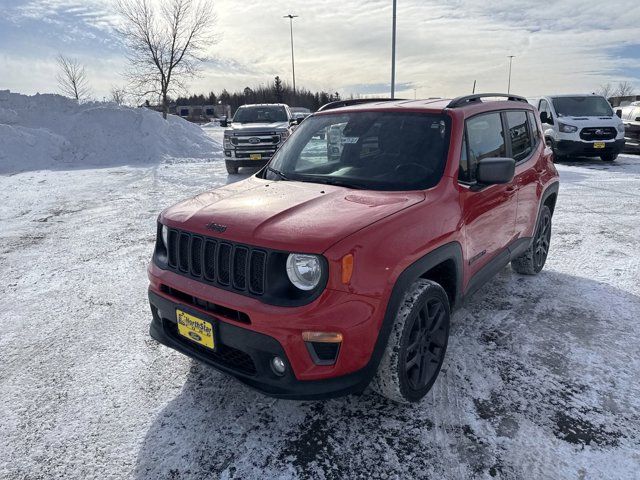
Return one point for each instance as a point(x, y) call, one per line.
point(509, 84)
point(393, 53)
point(293, 65)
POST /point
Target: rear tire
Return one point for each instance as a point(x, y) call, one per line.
point(534, 258)
point(231, 168)
point(608, 157)
point(417, 344)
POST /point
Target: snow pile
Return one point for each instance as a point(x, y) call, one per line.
point(52, 132)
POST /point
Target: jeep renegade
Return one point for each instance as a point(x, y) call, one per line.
point(322, 274)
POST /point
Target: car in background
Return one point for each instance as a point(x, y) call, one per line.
point(300, 113)
point(630, 115)
point(580, 125)
point(255, 133)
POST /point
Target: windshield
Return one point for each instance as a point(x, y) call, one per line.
point(369, 150)
point(582, 107)
point(260, 115)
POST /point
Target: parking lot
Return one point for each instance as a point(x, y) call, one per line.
point(541, 380)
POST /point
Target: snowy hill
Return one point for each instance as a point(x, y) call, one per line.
point(53, 132)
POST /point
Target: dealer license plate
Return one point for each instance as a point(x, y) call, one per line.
point(598, 145)
point(195, 329)
point(255, 156)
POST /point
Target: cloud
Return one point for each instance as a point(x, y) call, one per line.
point(442, 46)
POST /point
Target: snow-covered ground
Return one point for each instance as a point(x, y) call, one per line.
point(541, 380)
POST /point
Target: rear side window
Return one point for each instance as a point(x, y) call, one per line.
point(520, 135)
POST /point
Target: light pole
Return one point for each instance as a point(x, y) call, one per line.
point(293, 64)
point(393, 53)
point(509, 84)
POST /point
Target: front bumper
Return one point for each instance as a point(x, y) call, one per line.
point(581, 148)
point(246, 349)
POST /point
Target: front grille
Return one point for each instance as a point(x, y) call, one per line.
point(257, 140)
point(228, 356)
point(224, 264)
point(598, 133)
point(213, 308)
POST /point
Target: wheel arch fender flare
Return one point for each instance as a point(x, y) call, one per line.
point(449, 251)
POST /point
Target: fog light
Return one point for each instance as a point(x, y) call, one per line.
point(278, 366)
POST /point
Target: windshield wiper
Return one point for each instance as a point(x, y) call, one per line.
point(334, 181)
point(277, 172)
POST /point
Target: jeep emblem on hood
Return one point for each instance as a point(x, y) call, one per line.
point(216, 227)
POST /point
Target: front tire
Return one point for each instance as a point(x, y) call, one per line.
point(231, 168)
point(608, 157)
point(534, 258)
point(417, 344)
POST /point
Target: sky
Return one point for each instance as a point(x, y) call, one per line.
point(559, 46)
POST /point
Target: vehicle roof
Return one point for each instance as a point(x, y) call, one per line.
point(264, 105)
point(431, 105)
point(571, 95)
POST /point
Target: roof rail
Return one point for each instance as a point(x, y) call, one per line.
point(354, 101)
point(467, 99)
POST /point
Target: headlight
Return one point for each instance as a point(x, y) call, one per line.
point(564, 128)
point(621, 128)
point(284, 135)
point(304, 271)
point(227, 141)
point(165, 236)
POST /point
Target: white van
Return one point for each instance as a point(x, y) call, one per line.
point(580, 125)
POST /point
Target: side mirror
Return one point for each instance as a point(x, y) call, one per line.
point(224, 122)
point(545, 118)
point(619, 113)
point(493, 171)
point(294, 121)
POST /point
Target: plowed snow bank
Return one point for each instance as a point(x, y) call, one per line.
point(53, 132)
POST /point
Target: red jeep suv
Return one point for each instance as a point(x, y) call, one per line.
point(323, 274)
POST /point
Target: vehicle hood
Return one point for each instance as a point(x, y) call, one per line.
point(285, 215)
point(256, 127)
point(598, 121)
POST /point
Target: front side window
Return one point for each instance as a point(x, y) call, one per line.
point(485, 138)
point(267, 114)
point(592, 106)
point(520, 135)
point(369, 150)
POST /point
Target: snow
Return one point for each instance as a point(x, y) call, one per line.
point(541, 379)
point(51, 132)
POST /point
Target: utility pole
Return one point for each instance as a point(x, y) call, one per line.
point(293, 64)
point(509, 84)
point(393, 53)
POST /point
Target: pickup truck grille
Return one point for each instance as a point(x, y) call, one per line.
point(255, 140)
point(226, 265)
point(598, 133)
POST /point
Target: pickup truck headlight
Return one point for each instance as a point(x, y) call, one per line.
point(304, 271)
point(621, 128)
point(226, 141)
point(564, 128)
point(284, 135)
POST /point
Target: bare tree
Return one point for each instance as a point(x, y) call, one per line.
point(606, 90)
point(72, 78)
point(118, 95)
point(624, 89)
point(167, 45)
